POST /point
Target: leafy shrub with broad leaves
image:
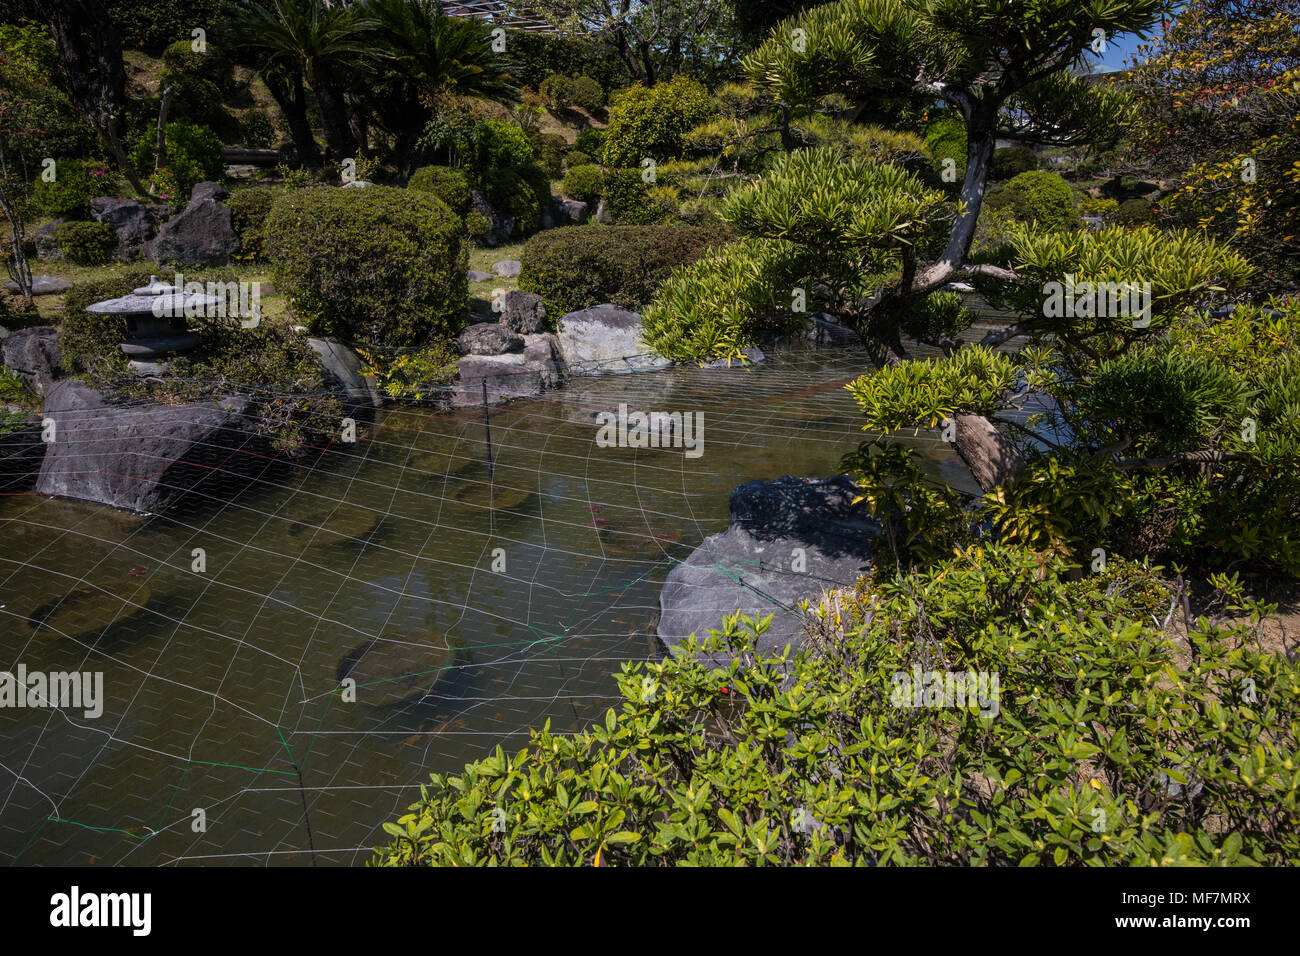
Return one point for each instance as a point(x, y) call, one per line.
point(86, 243)
point(586, 94)
point(519, 193)
point(1103, 744)
point(379, 266)
point(652, 121)
point(591, 141)
point(448, 184)
point(584, 183)
point(575, 267)
point(193, 156)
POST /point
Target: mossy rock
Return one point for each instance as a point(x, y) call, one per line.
point(397, 666)
point(88, 609)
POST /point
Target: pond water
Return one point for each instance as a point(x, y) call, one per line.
point(380, 561)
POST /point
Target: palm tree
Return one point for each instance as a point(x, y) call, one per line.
point(425, 58)
point(316, 42)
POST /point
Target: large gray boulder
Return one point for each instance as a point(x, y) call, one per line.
point(605, 338)
point(489, 338)
point(523, 312)
point(342, 368)
point(824, 330)
point(141, 457)
point(133, 222)
point(200, 234)
point(564, 212)
point(34, 356)
point(209, 190)
point(46, 241)
point(507, 268)
point(509, 376)
point(789, 540)
point(500, 226)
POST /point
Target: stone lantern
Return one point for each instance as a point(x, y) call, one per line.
point(155, 323)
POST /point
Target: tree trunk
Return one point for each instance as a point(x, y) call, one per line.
point(992, 459)
point(339, 142)
point(90, 51)
point(981, 136)
point(290, 96)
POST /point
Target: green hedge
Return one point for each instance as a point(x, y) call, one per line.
point(379, 266)
point(1090, 738)
point(249, 206)
point(448, 184)
point(575, 267)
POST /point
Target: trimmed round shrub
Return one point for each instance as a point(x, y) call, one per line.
point(574, 267)
point(1012, 161)
point(558, 89)
point(586, 94)
point(585, 183)
point(591, 141)
point(1134, 212)
point(945, 138)
point(502, 145)
point(249, 206)
point(577, 157)
point(652, 121)
point(378, 266)
point(448, 184)
point(1040, 197)
point(519, 193)
point(86, 243)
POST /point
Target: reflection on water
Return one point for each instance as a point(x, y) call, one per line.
point(466, 602)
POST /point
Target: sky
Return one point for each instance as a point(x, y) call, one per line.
point(1119, 50)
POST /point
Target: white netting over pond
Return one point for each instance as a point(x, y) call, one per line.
point(468, 599)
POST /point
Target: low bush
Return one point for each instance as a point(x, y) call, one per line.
point(477, 226)
point(249, 206)
point(378, 266)
point(1093, 206)
point(1039, 197)
point(193, 156)
point(520, 193)
point(577, 157)
point(586, 94)
point(628, 198)
point(1134, 212)
point(549, 150)
point(585, 183)
point(256, 129)
point(86, 243)
point(448, 184)
point(1012, 161)
point(591, 141)
point(1080, 734)
point(502, 145)
point(575, 267)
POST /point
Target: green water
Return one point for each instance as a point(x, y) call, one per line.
point(221, 690)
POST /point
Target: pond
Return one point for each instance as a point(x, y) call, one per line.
point(467, 601)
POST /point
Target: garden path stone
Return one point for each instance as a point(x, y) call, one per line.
point(43, 285)
point(507, 268)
